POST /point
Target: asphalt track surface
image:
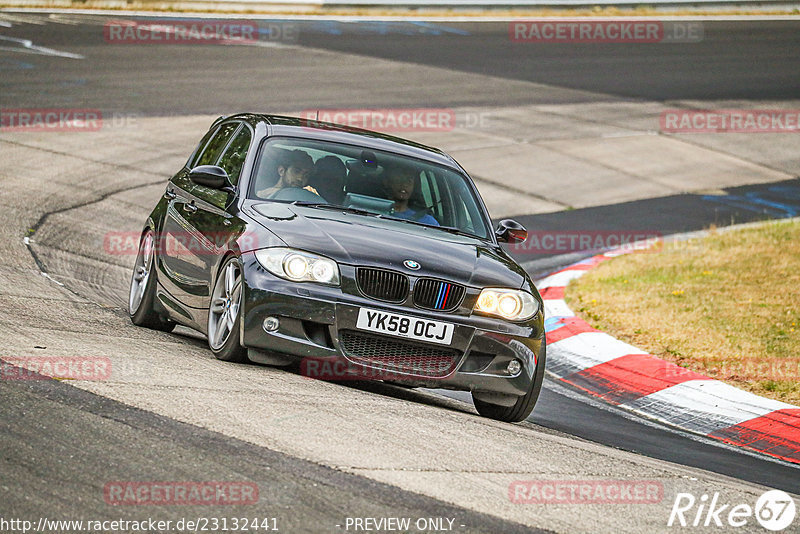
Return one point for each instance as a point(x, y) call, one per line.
point(131, 444)
point(754, 60)
point(733, 60)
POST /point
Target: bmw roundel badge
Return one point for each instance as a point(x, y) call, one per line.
point(411, 264)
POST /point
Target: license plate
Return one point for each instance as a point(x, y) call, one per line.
point(394, 324)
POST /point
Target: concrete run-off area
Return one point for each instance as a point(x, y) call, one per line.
point(545, 150)
point(430, 445)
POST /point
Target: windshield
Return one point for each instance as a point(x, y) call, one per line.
point(371, 182)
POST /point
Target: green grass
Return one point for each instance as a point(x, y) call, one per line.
point(727, 306)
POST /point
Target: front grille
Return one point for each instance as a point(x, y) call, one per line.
point(438, 295)
point(383, 285)
point(398, 356)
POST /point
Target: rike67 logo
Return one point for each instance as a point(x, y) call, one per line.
point(774, 510)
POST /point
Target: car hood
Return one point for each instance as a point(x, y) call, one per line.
point(370, 241)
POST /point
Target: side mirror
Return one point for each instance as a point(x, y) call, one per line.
point(210, 176)
point(509, 231)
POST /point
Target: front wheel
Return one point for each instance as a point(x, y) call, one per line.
point(142, 295)
point(224, 314)
point(523, 407)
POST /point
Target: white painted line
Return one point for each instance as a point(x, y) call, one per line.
point(559, 279)
point(557, 308)
point(704, 405)
point(56, 18)
point(51, 278)
point(27, 47)
point(24, 20)
point(556, 386)
point(585, 350)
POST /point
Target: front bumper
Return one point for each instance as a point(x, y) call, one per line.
point(318, 326)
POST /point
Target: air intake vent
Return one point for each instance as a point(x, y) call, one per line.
point(438, 295)
point(390, 356)
point(388, 286)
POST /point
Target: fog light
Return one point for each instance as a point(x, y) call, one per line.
point(513, 367)
point(271, 324)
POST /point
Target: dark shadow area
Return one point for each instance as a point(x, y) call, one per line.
point(661, 216)
point(565, 414)
point(750, 60)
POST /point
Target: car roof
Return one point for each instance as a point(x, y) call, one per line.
point(281, 125)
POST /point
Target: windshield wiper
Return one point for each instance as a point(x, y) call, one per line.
point(450, 229)
point(326, 206)
point(454, 230)
point(358, 211)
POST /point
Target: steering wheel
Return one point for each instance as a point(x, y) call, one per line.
point(296, 193)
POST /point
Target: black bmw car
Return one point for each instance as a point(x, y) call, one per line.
point(352, 253)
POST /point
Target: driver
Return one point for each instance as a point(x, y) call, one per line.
point(399, 182)
point(293, 171)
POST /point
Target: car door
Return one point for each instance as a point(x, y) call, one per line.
point(212, 224)
point(183, 263)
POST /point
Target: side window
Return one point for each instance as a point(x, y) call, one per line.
point(233, 158)
point(212, 151)
point(199, 149)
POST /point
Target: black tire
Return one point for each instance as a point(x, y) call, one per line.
point(521, 409)
point(145, 313)
point(231, 349)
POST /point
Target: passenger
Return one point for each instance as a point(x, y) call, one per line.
point(400, 182)
point(294, 171)
point(328, 178)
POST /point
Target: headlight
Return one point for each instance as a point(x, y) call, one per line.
point(511, 304)
point(298, 266)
